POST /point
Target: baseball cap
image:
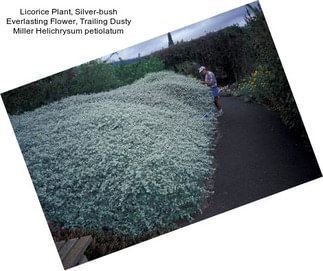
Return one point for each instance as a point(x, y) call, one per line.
point(201, 69)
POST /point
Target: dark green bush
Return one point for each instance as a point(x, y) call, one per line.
point(268, 84)
point(188, 68)
point(92, 77)
point(227, 52)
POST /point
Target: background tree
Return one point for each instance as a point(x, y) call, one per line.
point(170, 40)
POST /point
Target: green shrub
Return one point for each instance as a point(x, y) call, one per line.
point(268, 83)
point(93, 77)
point(262, 86)
point(254, 86)
point(228, 52)
point(188, 68)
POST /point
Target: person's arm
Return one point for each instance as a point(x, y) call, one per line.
point(205, 81)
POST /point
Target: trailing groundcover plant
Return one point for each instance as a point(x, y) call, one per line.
point(133, 160)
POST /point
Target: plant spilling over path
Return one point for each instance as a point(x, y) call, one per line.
point(132, 160)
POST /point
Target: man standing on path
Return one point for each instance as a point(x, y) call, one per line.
point(210, 81)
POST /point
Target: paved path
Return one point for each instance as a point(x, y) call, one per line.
point(256, 156)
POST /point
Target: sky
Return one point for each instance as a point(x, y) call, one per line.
point(193, 31)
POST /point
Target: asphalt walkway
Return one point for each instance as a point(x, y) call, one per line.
point(256, 156)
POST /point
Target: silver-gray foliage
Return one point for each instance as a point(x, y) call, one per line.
point(134, 159)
